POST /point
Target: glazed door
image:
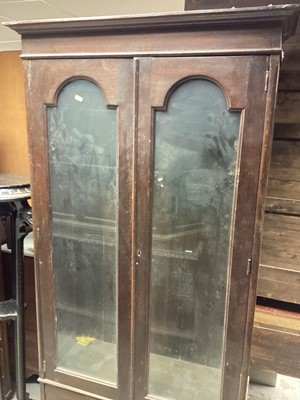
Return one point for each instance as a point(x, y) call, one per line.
point(83, 243)
point(199, 147)
point(150, 167)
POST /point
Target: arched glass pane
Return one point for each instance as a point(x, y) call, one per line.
point(193, 188)
point(82, 142)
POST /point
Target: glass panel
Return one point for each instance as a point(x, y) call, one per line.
point(194, 173)
point(82, 140)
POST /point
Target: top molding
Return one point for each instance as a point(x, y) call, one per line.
point(285, 15)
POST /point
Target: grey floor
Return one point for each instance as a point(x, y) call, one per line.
point(287, 388)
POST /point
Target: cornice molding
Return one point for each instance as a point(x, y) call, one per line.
point(285, 15)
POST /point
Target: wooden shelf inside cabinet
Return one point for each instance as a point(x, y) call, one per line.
point(150, 143)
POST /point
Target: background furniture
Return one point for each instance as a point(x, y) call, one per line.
point(6, 389)
point(14, 192)
point(31, 345)
point(190, 307)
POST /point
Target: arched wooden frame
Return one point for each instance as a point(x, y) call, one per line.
point(233, 102)
point(234, 75)
point(192, 68)
point(50, 78)
point(54, 105)
point(229, 99)
point(54, 94)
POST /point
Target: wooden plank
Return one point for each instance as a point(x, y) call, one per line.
point(279, 284)
point(288, 105)
point(289, 80)
point(291, 50)
point(279, 274)
point(281, 239)
point(285, 162)
point(185, 42)
point(283, 206)
point(276, 340)
point(283, 194)
point(287, 131)
point(273, 318)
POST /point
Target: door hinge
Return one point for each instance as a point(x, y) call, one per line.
point(249, 266)
point(44, 369)
point(267, 79)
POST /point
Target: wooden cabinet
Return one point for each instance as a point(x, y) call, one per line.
point(150, 143)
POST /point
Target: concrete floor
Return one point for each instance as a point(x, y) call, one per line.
point(287, 388)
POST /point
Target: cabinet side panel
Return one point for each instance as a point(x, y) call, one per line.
point(273, 76)
point(245, 266)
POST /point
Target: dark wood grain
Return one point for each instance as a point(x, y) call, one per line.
point(249, 249)
point(274, 66)
point(202, 41)
point(291, 49)
point(279, 284)
point(287, 105)
point(275, 338)
point(108, 75)
point(280, 241)
point(284, 177)
point(289, 80)
point(289, 131)
point(59, 52)
point(279, 275)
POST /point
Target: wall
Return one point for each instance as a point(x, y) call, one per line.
point(13, 134)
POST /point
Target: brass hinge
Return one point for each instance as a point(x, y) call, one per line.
point(249, 266)
point(267, 79)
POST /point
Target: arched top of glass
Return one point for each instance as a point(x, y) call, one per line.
point(83, 84)
point(195, 156)
point(199, 81)
point(82, 138)
point(196, 119)
point(82, 123)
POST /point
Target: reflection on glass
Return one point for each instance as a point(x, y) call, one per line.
point(194, 172)
point(82, 141)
